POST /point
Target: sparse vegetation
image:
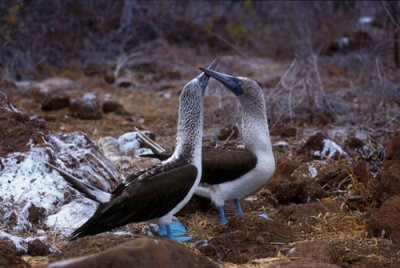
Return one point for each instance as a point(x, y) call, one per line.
point(330, 75)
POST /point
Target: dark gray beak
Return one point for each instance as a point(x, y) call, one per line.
point(233, 83)
point(203, 78)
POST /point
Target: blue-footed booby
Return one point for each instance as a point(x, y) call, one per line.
point(259, 163)
point(233, 174)
point(161, 190)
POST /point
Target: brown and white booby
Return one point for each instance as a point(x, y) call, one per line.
point(233, 174)
point(161, 190)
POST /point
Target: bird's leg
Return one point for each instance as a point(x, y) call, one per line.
point(222, 215)
point(169, 232)
point(238, 207)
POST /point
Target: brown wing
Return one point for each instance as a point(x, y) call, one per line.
point(145, 197)
point(222, 165)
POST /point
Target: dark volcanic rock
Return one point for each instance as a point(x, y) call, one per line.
point(54, 102)
point(385, 220)
point(143, 252)
point(114, 107)
point(247, 237)
point(86, 108)
point(9, 256)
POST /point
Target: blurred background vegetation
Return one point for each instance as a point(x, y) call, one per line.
point(39, 38)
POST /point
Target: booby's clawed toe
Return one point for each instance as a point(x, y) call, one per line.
point(221, 213)
point(265, 216)
point(174, 231)
point(169, 231)
point(238, 207)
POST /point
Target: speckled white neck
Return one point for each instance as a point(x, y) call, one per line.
point(190, 124)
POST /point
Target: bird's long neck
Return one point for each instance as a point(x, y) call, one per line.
point(255, 126)
point(190, 131)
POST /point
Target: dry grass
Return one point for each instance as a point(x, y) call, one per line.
point(36, 260)
point(203, 225)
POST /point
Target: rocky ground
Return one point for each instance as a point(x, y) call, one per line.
point(334, 200)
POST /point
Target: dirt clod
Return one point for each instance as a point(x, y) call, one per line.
point(318, 251)
point(9, 256)
point(355, 143)
point(36, 214)
point(289, 190)
point(305, 212)
point(114, 107)
point(55, 102)
point(385, 221)
point(314, 143)
point(229, 132)
point(38, 248)
point(247, 237)
point(388, 181)
point(17, 129)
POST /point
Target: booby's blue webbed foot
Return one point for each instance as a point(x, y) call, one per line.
point(265, 216)
point(174, 231)
point(222, 215)
point(238, 207)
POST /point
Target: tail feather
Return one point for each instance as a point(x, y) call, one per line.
point(159, 156)
point(153, 145)
point(85, 189)
point(99, 222)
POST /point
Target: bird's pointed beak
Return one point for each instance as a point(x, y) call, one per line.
point(233, 83)
point(203, 77)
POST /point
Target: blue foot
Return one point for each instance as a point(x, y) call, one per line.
point(238, 207)
point(174, 231)
point(169, 231)
point(222, 215)
point(265, 216)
